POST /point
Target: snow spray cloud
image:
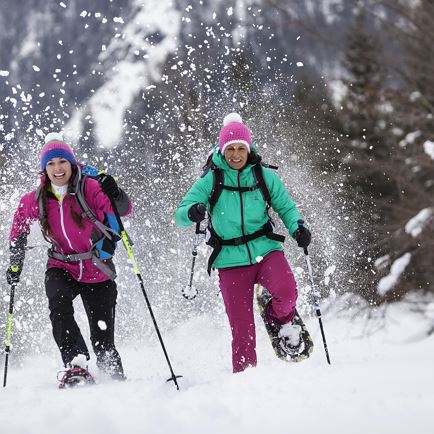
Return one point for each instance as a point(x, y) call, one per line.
point(167, 131)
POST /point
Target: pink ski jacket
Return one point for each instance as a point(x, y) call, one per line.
point(68, 237)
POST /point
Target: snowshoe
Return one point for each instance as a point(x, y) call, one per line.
point(291, 342)
point(75, 376)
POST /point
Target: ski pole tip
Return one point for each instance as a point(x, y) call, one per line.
point(174, 379)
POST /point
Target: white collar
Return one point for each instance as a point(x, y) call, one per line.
point(60, 190)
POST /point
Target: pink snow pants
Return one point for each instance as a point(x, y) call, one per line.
point(237, 287)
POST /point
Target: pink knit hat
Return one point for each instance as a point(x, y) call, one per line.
point(234, 131)
point(55, 147)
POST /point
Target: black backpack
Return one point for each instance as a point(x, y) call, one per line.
point(218, 183)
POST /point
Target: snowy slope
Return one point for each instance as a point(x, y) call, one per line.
point(379, 382)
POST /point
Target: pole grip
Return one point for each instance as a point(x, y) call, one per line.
point(300, 223)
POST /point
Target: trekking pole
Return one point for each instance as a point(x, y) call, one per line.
point(189, 292)
point(8, 331)
point(127, 244)
point(315, 295)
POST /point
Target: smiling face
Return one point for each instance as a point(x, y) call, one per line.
point(59, 171)
point(236, 155)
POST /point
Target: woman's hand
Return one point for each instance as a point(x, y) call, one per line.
point(303, 236)
point(109, 186)
point(197, 212)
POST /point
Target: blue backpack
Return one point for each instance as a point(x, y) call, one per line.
point(109, 226)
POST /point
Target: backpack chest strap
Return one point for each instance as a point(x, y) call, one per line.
point(219, 186)
point(240, 189)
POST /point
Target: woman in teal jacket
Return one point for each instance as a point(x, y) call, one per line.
point(246, 250)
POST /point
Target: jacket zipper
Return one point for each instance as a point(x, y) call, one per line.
point(62, 223)
point(242, 218)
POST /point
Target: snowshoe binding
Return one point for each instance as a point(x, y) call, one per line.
point(291, 342)
point(74, 377)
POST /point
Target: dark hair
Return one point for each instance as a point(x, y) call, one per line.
point(45, 227)
point(253, 158)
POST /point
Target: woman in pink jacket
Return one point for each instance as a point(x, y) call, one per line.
point(80, 255)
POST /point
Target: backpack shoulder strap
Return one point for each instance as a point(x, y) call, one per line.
point(218, 179)
point(209, 165)
point(87, 211)
point(262, 185)
point(80, 199)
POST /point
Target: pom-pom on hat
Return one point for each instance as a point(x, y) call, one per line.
point(55, 147)
point(234, 131)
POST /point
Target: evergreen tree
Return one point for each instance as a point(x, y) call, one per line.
point(414, 116)
point(387, 165)
point(369, 153)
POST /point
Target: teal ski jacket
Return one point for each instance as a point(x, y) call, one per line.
point(235, 211)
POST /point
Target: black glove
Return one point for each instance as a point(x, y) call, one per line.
point(303, 236)
point(13, 274)
point(109, 186)
point(197, 212)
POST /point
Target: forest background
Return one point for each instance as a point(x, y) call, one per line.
point(338, 94)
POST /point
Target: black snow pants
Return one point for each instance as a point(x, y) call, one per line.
point(99, 300)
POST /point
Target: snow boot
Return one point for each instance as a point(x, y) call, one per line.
point(110, 363)
point(290, 338)
point(76, 374)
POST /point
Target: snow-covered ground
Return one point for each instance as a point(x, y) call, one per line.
point(380, 382)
